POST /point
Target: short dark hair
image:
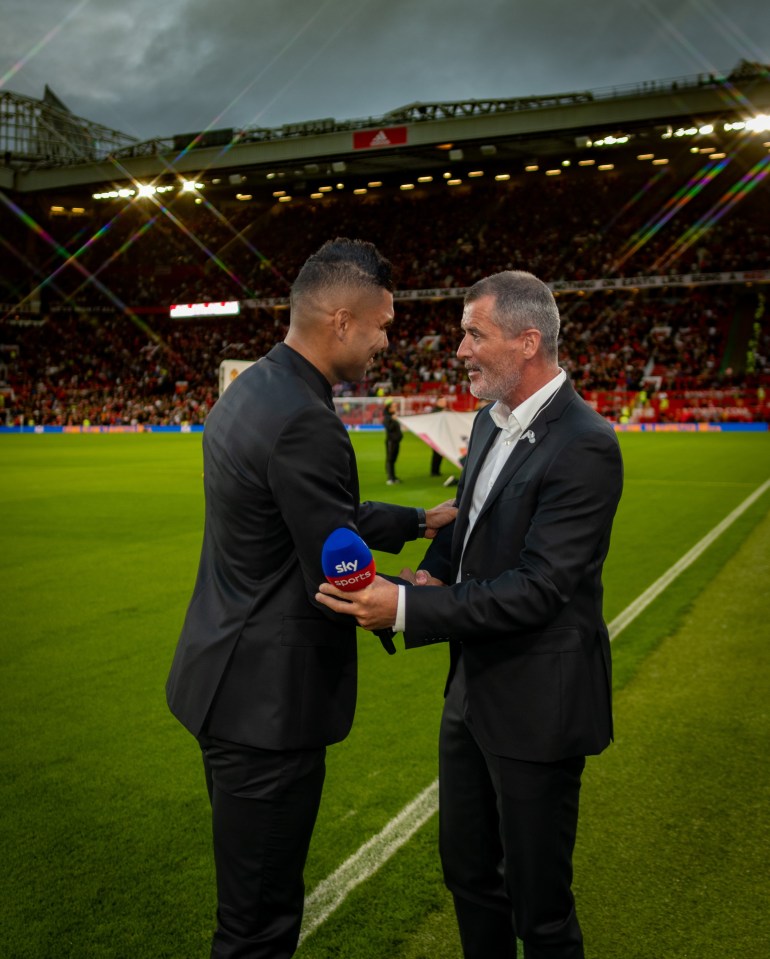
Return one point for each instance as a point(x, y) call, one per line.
point(521, 301)
point(343, 262)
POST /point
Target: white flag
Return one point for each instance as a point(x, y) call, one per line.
point(446, 432)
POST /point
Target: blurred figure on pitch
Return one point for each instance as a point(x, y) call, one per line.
point(436, 457)
point(263, 676)
point(393, 437)
point(528, 695)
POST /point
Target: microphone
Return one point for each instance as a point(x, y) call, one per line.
point(347, 561)
point(348, 564)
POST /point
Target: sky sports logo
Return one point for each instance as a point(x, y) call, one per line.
point(346, 560)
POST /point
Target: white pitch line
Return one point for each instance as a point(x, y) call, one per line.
point(375, 852)
point(332, 891)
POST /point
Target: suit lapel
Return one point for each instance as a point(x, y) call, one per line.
point(532, 438)
point(477, 453)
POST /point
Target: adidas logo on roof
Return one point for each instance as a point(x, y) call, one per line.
point(380, 139)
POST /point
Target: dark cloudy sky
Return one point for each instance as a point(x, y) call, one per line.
point(158, 67)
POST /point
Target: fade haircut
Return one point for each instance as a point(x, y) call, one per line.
point(522, 302)
point(343, 262)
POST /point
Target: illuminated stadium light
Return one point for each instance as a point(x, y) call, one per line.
point(407, 186)
point(646, 156)
point(586, 162)
point(503, 176)
point(190, 186)
point(475, 173)
point(553, 172)
point(243, 196)
point(738, 125)
point(425, 179)
point(78, 209)
point(373, 184)
point(454, 182)
point(532, 168)
point(325, 189)
point(125, 193)
point(718, 156)
point(57, 209)
point(659, 162)
point(284, 199)
point(447, 175)
point(606, 166)
point(705, 130)
point(611, 141)
point(340, 186)
point(360, 191)
point(445, 146)
point(145, 190)
point(168, 189)
point(271, 176)
point(316, 196)
point(759, 124)
point(279, 192)
point(566, 162)
point(181, 311)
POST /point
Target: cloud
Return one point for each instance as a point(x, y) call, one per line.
point(155, 68)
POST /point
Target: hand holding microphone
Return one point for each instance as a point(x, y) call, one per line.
point(348, 564)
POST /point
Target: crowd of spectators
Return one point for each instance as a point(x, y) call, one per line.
point(102, 348)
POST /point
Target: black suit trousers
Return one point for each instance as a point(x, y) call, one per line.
point(507, 833)
point(264, 805)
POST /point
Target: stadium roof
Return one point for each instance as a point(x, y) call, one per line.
point(44, 147)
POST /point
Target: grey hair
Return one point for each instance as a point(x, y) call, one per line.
point(522, 302)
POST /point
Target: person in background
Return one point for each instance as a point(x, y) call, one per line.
point(263, 676)
point(515, 588)
point(393, 436)
point(436, 457)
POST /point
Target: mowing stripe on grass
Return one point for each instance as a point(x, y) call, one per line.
point(641, 603)
point(375, 852)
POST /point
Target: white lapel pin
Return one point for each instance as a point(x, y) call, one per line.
point(529, 435)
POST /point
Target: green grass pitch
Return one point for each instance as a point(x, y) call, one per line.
point(105, 829)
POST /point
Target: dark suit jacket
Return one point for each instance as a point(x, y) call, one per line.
point(258, 661)
point(528, 611)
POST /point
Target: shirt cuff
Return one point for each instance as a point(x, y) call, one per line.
point(400, 624)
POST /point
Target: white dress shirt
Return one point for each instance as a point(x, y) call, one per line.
point(514, 425)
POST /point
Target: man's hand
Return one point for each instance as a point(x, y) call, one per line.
point(421, 578)
point(439, 516)
point(374, 606)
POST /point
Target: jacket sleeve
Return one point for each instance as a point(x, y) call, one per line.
point(319, 493)
point(386, 526)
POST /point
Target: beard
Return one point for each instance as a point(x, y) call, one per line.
point(495, 386)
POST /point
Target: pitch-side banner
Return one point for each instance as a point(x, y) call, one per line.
point(446, 432)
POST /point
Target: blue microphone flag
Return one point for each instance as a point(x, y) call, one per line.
point(346, 560)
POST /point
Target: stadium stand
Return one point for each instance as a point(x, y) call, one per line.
point(660, 272)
